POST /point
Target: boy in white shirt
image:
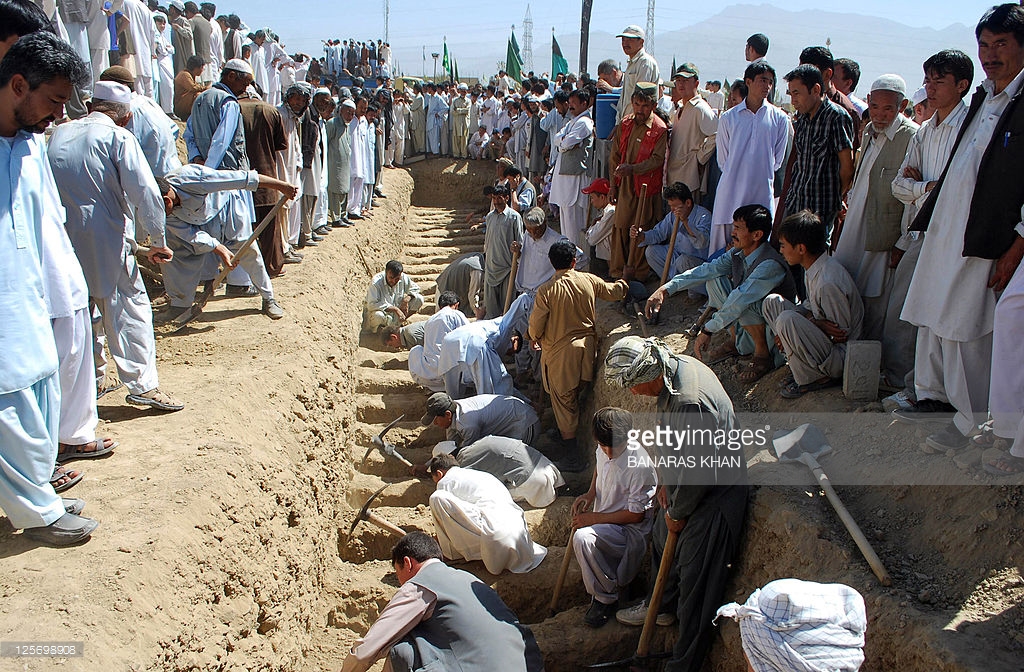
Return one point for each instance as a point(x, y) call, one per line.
point(611, 539)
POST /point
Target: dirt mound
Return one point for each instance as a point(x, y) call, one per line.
point(224, 539)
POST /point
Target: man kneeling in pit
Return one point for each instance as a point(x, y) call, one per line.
point(442, 619)
point(476, 519)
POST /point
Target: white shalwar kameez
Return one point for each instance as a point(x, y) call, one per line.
point(163, 69)
point(751, 147)
point(29, 390)
point(611, 555)
point(949, 299)
point(143, 30)
point(360, 163)
point(476, 519)
point(566, 190)
point(424, 359)
point(67, 299)
point(97, 213)
point(290, 167)
point(467, 358)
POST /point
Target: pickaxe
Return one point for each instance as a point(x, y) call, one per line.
point(366, 514)
point(385, 447)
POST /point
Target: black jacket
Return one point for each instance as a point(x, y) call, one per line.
point(999, 192)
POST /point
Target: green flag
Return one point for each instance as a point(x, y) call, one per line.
point(515, 45)
point(673, 73)
point(559, 66)
point(513, 61)
point(455, 70)
point(446, 66)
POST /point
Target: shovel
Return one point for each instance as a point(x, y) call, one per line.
point(806, 444)
point(179, 323)
point(643, 656)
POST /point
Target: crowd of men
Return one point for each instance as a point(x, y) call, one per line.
point(847, 220)
point(893, 219)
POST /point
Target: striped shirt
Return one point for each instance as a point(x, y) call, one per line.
point(817, 142)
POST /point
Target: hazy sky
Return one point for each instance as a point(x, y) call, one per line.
point(415, 24)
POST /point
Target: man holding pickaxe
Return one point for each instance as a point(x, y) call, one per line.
point(703, 493)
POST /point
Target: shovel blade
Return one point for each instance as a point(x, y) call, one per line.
point(806, 440)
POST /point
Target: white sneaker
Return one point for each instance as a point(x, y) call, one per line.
point(636, 614)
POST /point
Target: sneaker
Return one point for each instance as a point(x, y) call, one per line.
point(926, 410)
point(599, 613)
point(322, 230)
point(901, 401)
point(293, 258)
point(948, 439)
point(637, 614)
point(155, 399)
point(378, 193)
point(67, 530)
point(236, 291)
point(315, 237)
point(272, 309)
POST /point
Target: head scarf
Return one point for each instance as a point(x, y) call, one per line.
point(633, 361)
point(801, 625)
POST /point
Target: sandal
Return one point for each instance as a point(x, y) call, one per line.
point(83, 451)
point(793, 391)
point(757, 368)
point(986, 439)
point(104, 391)
point(721, 353)
point(155, 398)
point(63, 478)
point(1007, 465)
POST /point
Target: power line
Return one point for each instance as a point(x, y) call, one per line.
point(649, 42)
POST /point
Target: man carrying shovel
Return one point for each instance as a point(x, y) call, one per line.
point(203, 216)
point(703, 489)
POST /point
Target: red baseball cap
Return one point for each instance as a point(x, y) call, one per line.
point(598, 186)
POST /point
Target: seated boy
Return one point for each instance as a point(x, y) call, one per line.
point(814, 334)
point(610, 540)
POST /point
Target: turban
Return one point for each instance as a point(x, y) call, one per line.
point(800, 625)
point(632, 361)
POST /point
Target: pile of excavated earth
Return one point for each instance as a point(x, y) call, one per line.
point(224, 539)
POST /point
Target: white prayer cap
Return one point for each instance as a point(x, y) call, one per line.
point(463, 87)
point(919, 96)
point(178, 5)
point(443, 448)
point(239, 65)
point(111, 92)
point(159, 15)
point(892, 83)
point(348, 103)
point(633, 31)
point(322, 91)
point(801, 625)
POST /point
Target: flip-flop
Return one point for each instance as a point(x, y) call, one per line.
point(107, 390)
point(1015, 464)
point(62, 472)
point(793, 391)
point(723, 352)
point(68, 452)
point(755, 370)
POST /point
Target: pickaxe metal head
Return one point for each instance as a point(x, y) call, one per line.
point(366, 514)
point(378, 441)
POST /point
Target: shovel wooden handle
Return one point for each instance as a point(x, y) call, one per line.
point(668, 556)
point(562, 573)
point(671, 249)
point(630, 267)
point(851, 525)
point(511, 281)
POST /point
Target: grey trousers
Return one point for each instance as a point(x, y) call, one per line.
point(610, 556)
point(899, 338)
point(337, 205)
point(307, 212)
point(809, 351)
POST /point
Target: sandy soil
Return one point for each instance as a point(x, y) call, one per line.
point(224, 539)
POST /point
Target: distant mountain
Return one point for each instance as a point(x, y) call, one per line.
point(715, 45)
